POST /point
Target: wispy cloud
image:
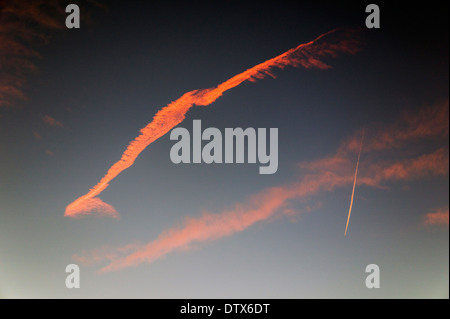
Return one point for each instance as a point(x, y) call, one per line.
point(433, 164)
point(306, 55)
point(105, 253)
point(319, 176)
point(430, 121)
point(210, 226)
point(47, 119)
point(438, 217)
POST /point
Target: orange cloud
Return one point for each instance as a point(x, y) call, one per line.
point(51, 121)
point(429, 122)
point(305, 55)
point(262, 206)
point(438, 217)
point(92, 205)
point(396, 140)
point(104, 253)
point(433, 164)
point(322, 175)
point(209, 226)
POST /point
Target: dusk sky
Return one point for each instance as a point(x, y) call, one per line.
point(86, 176)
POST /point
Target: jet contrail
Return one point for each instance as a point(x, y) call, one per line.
point(354, 184)
point(306, 55)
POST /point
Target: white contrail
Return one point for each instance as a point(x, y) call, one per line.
point(354, 185)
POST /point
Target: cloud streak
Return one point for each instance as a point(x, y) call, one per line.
point(321, 175)
point(411, 126)
point(262, 206)
point(47, 119)
point(437, 218)
point(306, 55)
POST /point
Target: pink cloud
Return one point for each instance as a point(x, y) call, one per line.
point(95, 205)
point(209, 226)
point(52, 121)
point(433, 164)
point(261, 207)
point(438, 217)
point(430, 122)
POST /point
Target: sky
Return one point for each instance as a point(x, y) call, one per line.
point(86, 176)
